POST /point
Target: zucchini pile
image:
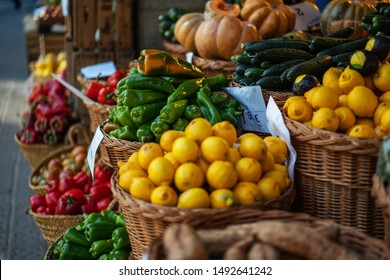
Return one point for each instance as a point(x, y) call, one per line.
point(378, 21)
point(167, 23)
point(275, 64)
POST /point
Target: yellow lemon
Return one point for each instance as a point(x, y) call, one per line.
point(254, 147)
point(198, 129)
point(221, 174)
point(309, 94)
point(203, 164)
point(277, 147)
point(300, 110)
point(331, 79)
point(346, 118)
point(380, 134)
point(233, 155)
point(194, 198)
point(379, 111)
point(161, 171)
point(247, 193)
point(369, 82)
point(148, 152)
point(225, 130)
point(126, 178)
point(382, 78)
point(120, 163)
point(164, 195)
point(269, 189)
point(280, 167)
point(385, 97)
point(362, 131)
point(168, 137)
point(366, 121)
point(169, 156)
point(385, 122)
point(324, 97)
point(350, 79)
point(133, 161)
point(362, 101)
point(214, 148)
point(290, 100)
point(222, 198)
point(185, 149)
point(279, 177)
point(308, 123)
point(142, 188)
point(248, 170)
point(326, 119)
point(129, 166)
point(243, 136)
point(343, 100)
point(268, 163)
point(187, 176)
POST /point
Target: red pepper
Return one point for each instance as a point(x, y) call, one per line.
point(36, 201)
point(59, 123)
point(70, 202)
point(44, 210)
point(52, 186)
point(107, 96)
point(41, 125)
point(51, 137)
point(66, 184)
point(29, 136)
point(103, 204)
point(116, 77)
point(44, 111)
point(37, 91)
point(87, 187)
point(89, 206)
point(81, 179)
point(100, 192)
point(93, 90)
point(51, 199)
point(103, 172)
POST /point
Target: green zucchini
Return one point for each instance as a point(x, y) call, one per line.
point(240, 69)
point(242, 58)
point(304, 83)
point(322, 43)
point(367, 18)
point(379, 18)
point(276, 44)
point(342, 57)
point(279, 68)
point(365, 62)
point(279, 55)
point(246, 81)
point(315, 66)
point(266, 64)
point(343, 33)
point(346, 47)
point(253, 73)
point(384, 10)
point(343, 64)
point(379, 45)
point(382, 26)
point(379, 5)
point(274, 83)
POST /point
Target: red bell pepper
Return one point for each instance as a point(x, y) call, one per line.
point(51, 199)
point(103, 204)
point(44, 110)
point(116, 77)
point(103, 172)
point(44, 210)
point(93, 90)
point(51, 137)
point(100, 192)
point(41, 125)
point(107, 95)
point(37, 91)
point(52, 186)
point(89, 206)
point(59, 123)
point(29, 136)
point(81, 179)
point(70, 202)
point(87, 187)
point(66, 184)
point(36, 201)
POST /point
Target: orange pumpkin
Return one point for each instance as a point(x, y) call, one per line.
point(271, 20)
point(221, 37)
point(185, 30)
point(220, 7)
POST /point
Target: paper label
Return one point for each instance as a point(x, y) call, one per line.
point(251, 99)
point(104, 69)
point(73, 89)
point(189, 57)
point(278, 128)
point(97, 138)
point(307, 15)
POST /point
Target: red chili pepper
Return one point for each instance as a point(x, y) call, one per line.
point(70, 202)
point(66, 184)
point(41, 125)
point(36, 201)
point(51, 199)
point(81, 179)
point(107, 96)
point(100, 192)
point(103, 172)
point(93, 90)
point(89, 206)
point(52, 186)
point(103, 204)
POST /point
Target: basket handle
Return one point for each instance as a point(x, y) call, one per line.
point(76, 135)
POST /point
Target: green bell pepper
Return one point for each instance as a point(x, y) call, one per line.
point(125, 133)
point(110, 215)
point(120, 238)
point(186, 89)
point(58, 247)
point(180, 124)
point(135, 97)
point(122, 254)
point(172, 111)
point(123, 116)
point(101, 247)
point(142, 113)
point(144, 133)
point(104, 257)
point(225, 116)
point(217, 82)
point(159, 126)
point(90, 219)
point(71, 251)
point(192, 112)
point(74, 236)
point(120, 220)
point(99, 231)
point(208, 109)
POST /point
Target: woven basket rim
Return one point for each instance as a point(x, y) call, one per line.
point(173, 47)
point(213, 64)
point(59, 217)
point(116, 140)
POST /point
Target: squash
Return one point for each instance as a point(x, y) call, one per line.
point(185, 30)
point(220, 7)
point(339, 14)
point(271, 20)
point(221, 37)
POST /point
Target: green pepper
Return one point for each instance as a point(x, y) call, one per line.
point(192, 112)
point(120, 220)
point(125, 133)
point(185, 90)
point(219, 100)
point(99, 230)
point(159, 126)
point(135, 97)
point(74, 252)
point(207, 107)
point(144, 133)
point(120, 238)
point(104, 257)
point(89, 219)
point(122, 254)
point(113, 115)
point(174, 80)
point(180, 124)
point(110, 215)
point(123, 116)
point(101, 247)
point(74, 236)
point(217, 82)
point(138, 81)
point(58, 247)
point(143, 113)
point(225, 116)
point(172, 111)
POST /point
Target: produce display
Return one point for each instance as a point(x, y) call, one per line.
point(47, 64)
point(207, 165)
point(377, 21)
point(165, 92)
point(69, 187)
point(167, 23)
point(101, 236)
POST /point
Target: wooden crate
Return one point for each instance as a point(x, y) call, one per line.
point(51, 42)
point(32, 45)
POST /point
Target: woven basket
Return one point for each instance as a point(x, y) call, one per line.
point(118, 149)
point(145, 221)
point(175, 49)
point(245, 220)
point(381, 194)
point(213, 67)
point(333, 177)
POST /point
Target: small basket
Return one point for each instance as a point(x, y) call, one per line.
point(333, 177)
point(145, 221)
point(118, 149)
point(247, 220)
point(213, 67)
point(381, 194)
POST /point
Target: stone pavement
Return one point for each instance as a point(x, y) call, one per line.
point(20, 238)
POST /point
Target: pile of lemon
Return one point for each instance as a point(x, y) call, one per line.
point(346, 102)
point(207, 166)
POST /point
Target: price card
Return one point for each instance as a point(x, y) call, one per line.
point(97, 138)
point(307, 15)
point(104, 69)
point(189, 56)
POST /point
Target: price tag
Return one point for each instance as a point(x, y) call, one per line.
point(97, 138)
point(104, 69)
point(189, 56)
point(307, 15)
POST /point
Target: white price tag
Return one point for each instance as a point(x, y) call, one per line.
point(307, 15)
point(189, 57)
point(104, 69)
point(97, 138)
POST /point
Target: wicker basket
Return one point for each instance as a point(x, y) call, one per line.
point(118, 149)
point(213, 67)
point(174, 49)
point(246, 220)
point(146, 221)
point(333, 177)
point(381, 194)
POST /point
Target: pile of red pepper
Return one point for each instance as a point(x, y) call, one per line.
point(49, 115)
point(105, 93)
